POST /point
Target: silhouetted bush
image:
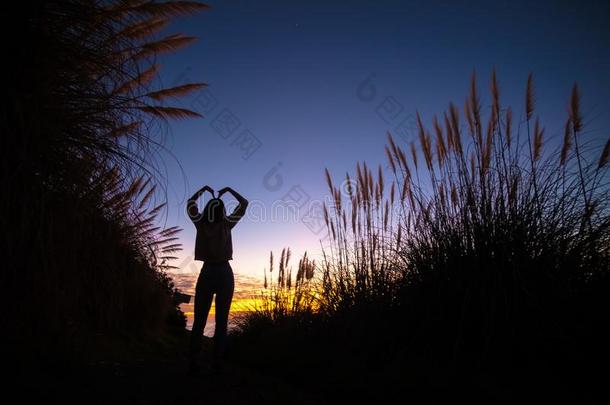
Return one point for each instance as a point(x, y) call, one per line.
point(82, 139)
point(485, 252)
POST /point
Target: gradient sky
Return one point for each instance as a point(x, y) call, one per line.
point(292, 76)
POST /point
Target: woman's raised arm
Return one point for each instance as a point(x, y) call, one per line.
point(240, 210)
point(191, 205)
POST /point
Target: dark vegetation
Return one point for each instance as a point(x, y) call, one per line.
point(82, 147)
point(479, 271)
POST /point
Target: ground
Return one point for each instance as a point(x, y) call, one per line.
point(159, 378)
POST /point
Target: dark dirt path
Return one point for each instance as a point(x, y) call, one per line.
point(166, 381)
point(159, 379)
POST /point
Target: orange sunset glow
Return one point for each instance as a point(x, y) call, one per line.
point(245, 297)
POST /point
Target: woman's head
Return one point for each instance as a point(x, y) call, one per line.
point(214, 211)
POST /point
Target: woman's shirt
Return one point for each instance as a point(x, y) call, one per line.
point(213, 242)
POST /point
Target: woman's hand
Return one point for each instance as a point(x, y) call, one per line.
point(206, 188)
point(192, 202)
point(224, 190)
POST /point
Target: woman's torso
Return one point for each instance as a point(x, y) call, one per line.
point(213, 242)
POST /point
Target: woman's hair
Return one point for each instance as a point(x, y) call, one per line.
point(214, 211)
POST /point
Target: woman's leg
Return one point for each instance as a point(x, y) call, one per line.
point(203, 301)
point(224, 296)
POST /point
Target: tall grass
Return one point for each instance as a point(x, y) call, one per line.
point(503, 240)
point(82, 151)
point(483, 247)
point(483, 191)
point(287, 295)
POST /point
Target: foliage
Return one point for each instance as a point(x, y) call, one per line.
point(82, 152)
point(486, 251)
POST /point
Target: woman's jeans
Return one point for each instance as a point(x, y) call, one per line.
point(214, 278)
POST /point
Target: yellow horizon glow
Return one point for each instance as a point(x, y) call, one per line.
point(239, 305)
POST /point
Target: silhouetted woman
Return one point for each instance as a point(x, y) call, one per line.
point(213, 245)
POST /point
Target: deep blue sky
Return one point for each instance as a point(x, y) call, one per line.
point(290, 72)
